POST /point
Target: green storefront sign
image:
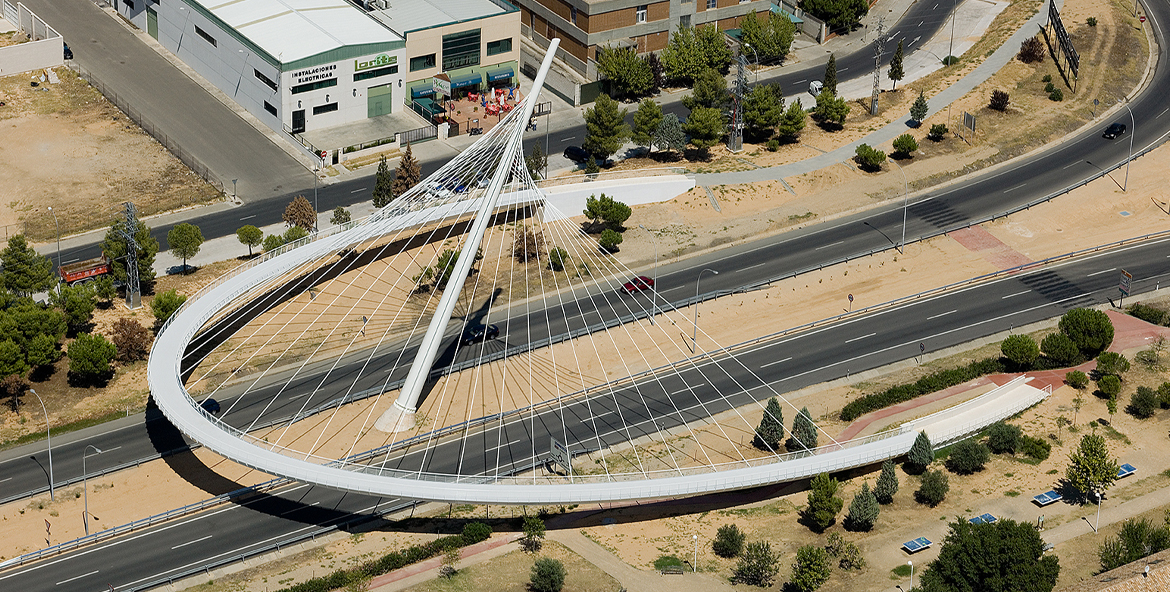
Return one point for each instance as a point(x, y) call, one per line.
point(377, 61)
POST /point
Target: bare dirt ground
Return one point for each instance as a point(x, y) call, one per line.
point(63, 145)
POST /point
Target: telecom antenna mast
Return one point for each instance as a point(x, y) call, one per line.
point(735, 138)
point(877, 66)
point(127, 230)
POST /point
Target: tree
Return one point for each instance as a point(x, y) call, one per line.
point(299, 212)
point(999, 100)
point(804, 432)
point(131, 340)
point(114, 246)
point(450, 562)
point(609, 240)
point(185, 240)
point(771, 428)
point(904, 145)
point(823, 503)
point(831, 110)
point(758, 565)
point(921, 454)
point(90, 356)
point(1061, 349)
point(25, 272)
point(548, 575)
point(251, 236)
point(383, 183)
point(933, 488)
point(1021, 350)
point(294, 234)
point(24, 321)
point(830, 80)
point(728, 541)
point(606, 128)
point(811, 568)
point(887, 484)
point(340, 216)
point(848, 555)
point(1005, 555)
point(407, 175)
point(164, 305)
point(628, 75)
point(863, 510)
point(705, 127)
point(937, 132)
point(536, 161)
point(838, 14)
point(42, 351)
point(770, 39)
point(896, 72)
point(682, 60)
point(968, 457)
point(1031, 50)
point(1110, 386)
point(1112, 363)
point(1111, 405)
point(533, 538)
point(1077, 379)
point(273, 241)
point(1090, 329)
point(104, 289)
point(607, 210)
point(763, 109)
point(869, 158)
point(1004, 438)
point(1090, 470)
point(793, 122)
point(558, 259)
point(669, 134)
point(12, 361)
point(13, 387)
point(1137, 538)
point(647, 120)
point(919, 109)
point(710, 90)
point(77, 303)
point(1143, 403)
point(712, 45)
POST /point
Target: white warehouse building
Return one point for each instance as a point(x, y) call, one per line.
point(294, 64)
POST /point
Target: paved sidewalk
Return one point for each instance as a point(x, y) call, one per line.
point(632, 578)
point(423, 571)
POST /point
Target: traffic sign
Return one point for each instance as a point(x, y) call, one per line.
point(559, 454)
point(1124, 285)
point(1142, 18)
point(324, 154)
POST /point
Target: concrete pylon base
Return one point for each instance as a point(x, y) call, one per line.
point(395, 420)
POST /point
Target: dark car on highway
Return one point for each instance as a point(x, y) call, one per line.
point(576, 154)
point(1114, 131)
point(477, 332)
point(638, 284)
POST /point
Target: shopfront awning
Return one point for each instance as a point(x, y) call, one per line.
point(466, 80)
point(422, 90)
point(501, 74)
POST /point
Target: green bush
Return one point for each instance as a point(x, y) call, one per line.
point(548, 575)
point(475, 532)
point(869, 158)
point(758, 565)
point(1143, 403)
point(927, 384)
point(1109, 385)
point(968, 457)
point(1149, 314)
point(905, 144)
point(164, 305)
point(1034, 447)
point(1112, 363)
point(1056, 95)
point(773, 145)
point(1061, 349)
point(1049, 87)
point(728, 541)
point(1164, 395)
point(933, 489)
point(90, 356)
point(1047, 78)
point(1004, 438)
point(609, 240)
point(1091, 21)
point(1077, 379)
point(1021, 350)
point(938, 131)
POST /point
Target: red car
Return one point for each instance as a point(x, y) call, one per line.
point(638, 284)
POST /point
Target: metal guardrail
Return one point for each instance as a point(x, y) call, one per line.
point(300, 138)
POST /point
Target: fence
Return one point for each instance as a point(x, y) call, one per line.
point(421, 134)
point(149, 127)
point(300, 138)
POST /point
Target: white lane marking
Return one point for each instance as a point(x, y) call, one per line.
point(671, 289)
point(248, 217)
point(842, 69)
point(800, 81)
point(503, 445)
point(830, 245)
point(568, 138)
point(93, 437)
point(688, 389)
point(1163, 112)
point(941, 315)
point(1101, 272)
point(1014, 188)
point(77, 578)
point(935, 6)
point(1070, 165)
point(297, 509)
point(191, 542)
point(358, 190)
point(774, 363)
point(857, 338)
point(753, 267)
point(1011, 295)
point(3, 480)
point(72, 260)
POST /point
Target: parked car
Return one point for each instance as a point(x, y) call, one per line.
point(478, 332)
point(68, 52)
point(638, 284)
point(1114, 131)
point(576, 154)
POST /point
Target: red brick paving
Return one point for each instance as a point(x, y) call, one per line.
point(979, 241)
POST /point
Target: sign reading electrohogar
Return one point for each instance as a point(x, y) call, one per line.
point(314, 74)
point(375, 62)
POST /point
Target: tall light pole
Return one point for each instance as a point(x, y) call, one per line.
point(85, 484)
point(1132, 125)
point(49, 436)
point(695, 331)
point(58, 225)
point(654, 290)
point(695, 565)
point(951, 51)
point(1098, 495)
point(756, 74)
point(905, 206)
point(911, 564)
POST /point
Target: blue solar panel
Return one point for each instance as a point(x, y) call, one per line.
point(1126, 470)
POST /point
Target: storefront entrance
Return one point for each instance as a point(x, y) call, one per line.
point(378, 100)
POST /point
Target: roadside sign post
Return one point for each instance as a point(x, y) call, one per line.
point(851, 303)
point(559, 454)
point(1123, 286)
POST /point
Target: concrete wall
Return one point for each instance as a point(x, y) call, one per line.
point(44, 51)
point(494, 28)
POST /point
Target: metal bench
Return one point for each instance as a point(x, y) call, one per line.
point(673, 569)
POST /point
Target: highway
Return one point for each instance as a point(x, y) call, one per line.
point(631, 411)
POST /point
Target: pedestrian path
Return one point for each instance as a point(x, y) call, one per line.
point(632, 578)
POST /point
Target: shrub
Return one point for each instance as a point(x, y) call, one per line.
point(968, 457)
point(728, 541)
point(847, 554)
point(533, 538)
point(1109, 385)
point(869, 158)
point(548, 575)
point(1021, 350)
point(1047, 78)
point(1004, 438)
point(90, 356)
point(999, 100)
point(1091, 21)
point(887, 484)
point(1036, 448)
point(1164, 395)
point(773, 145)
point(933, 489)
point(131, 339)
point(823, 503)
point(164, 305)
point(1077, 379)
point(937, 131)
point(1112, 363)
point(863, 510)
point(1031, 50)
point(1143, 403)
point(1149, 314)
point(1137, 538)
point(927, 384)
point(609, 240)
point(811, 569)
point(1061, 349)
point(757, 566)
point(1056, 95)
point(475, 532)
point(905, 144)
point(1049, 87)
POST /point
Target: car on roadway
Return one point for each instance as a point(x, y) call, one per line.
point(1113, 131)
point(576, 154)
point(210, 405)
point(638, 284)
point(478, 332)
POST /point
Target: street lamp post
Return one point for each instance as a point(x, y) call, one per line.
point(654, 290)
point(1098, 495)
point(85, 515)
point(58, 225)
point(1132, 125)
point(49, 437)
point(911, 564)
point(695, 565)
point(756, 73)
point(695, 330)
point(905, 206)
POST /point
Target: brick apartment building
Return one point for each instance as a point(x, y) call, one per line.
point(585, 25)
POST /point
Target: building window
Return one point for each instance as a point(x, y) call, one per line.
point(461, 49)
point(266, 80)
point(712, 4)
point(206, 37)
point(573, 14)
point(296, 90)
point(269, 108)
point(375, 73)
point(129, 4)
point(498, 47)
point(640, 15)
point(684, 21)
point(319, 109)
point(422, 62)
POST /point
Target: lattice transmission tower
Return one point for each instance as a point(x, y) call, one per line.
point(735, 137)
point(127, 230)
point(877, 66)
